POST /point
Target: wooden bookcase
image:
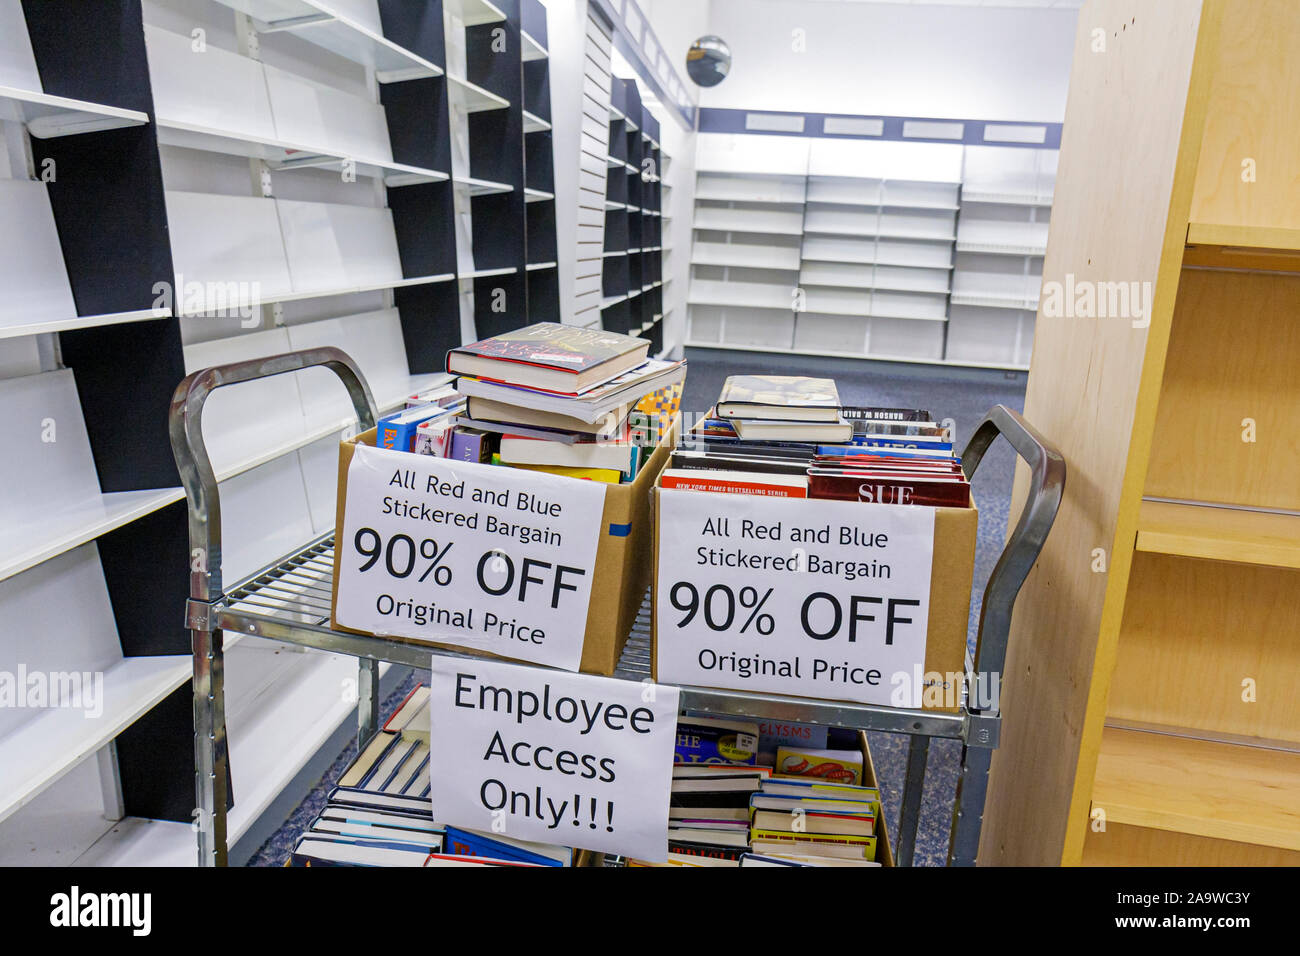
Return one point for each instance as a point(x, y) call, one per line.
point(1149, 702)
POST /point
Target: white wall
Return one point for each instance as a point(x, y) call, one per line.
point(677, 23)
point(893, 59)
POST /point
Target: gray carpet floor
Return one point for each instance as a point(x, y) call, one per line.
point(964, 395)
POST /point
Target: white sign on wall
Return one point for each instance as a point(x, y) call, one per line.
point(792, 596)
point(493, 559)
point(552, 757)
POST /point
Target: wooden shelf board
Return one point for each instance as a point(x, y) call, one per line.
point(48, 117)
point(1219, 534)
point(1243, 247)
point(1220, 790)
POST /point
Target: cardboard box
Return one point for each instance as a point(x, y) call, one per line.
point(622, 571)
point(951, 572)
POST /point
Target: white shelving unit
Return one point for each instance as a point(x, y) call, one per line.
point(868, 249)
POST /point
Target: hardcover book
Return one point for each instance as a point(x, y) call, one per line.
point(790, 398)
point(551, 356)
point(888, 489)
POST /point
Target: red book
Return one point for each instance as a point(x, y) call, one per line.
point(889, 489)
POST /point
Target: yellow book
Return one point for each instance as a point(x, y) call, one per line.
point(842, 846)
point(607, 475)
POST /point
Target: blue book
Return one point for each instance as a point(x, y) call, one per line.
point(397, 431)
point(460, 842)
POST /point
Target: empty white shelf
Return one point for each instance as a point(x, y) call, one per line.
point(480, 187)
point(82, 322)
point(539, 266)
point(25, 545)
point(486, 273)
point(287, 156)
point(751, 294)
point(867, 251)
point(474, 97)
point(352, 40)
point(537, 195)
point(48, 117)
point(532, 49)
point(473, 13)
point(868, 276)
point(749, 220)
point(612, 206)
point(745, 255)
point(743, 188)
point(534, 124)
point(996, 290)
point(43, 749)
point(996, 237)
point(974, 194)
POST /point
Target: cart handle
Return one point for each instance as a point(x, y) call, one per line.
point(185, 425)
point(1047, 484)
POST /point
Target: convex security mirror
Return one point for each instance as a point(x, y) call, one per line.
point(708, 61)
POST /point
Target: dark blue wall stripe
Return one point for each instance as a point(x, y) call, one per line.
point(733, 121)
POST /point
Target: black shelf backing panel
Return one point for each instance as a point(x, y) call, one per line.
point(430, 316)
point(500, 304)
point(544, 295)
point(541, 232)
point(616, 318)
point(155, 758)
point(537, 88)
point(417, 27)
point(419, 122)
point(424, 222)
point(146, 568)
point(616, 230)
point(539, 160)
point(532, 16)
point(499, 233)
point(614, 276)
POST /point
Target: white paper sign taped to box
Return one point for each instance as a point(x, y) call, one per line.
point(479, 556)
point(557, 758)
point(810, 598)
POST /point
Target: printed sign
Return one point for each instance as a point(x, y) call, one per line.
point(494, 559)
point(552, 757)
point(792, 596)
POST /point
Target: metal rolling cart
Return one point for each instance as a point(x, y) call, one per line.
point(289, 601)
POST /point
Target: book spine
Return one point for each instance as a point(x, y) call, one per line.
point(707, 850)
point(684, 483)
point(853, 412)
point(851, 488)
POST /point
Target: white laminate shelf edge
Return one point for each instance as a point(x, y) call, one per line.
point(43, 749)
point(82, 322)
point(318, 24)
point(280, 155)
point(48, 117)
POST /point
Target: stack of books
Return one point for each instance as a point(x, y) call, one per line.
point(577, 402)
point(790, 437)
point(726, 809)
point(380, 814)
point(583, 403)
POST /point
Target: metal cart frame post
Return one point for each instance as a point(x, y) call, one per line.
point(271, 604)
point(185, 423)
